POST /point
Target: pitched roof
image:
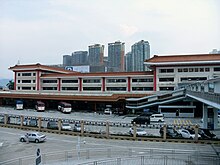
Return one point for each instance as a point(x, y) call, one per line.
point(40, 67)
point(184, 58)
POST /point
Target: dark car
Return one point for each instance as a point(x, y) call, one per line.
point(171, 132)
point(206, 133)
point(52, 125)
point(141, 120)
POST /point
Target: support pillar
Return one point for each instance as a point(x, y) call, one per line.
point(5, 119)
point(196, 129)
point(22, 120)
point(82, 127)
point(134, 130)
point(215, 112)
point(164, 132)
point(59, 125)
point(107, 129)
point(39, 123)
point(205, 116)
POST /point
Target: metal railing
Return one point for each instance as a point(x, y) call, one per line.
point(121, 156)
point(213, 97)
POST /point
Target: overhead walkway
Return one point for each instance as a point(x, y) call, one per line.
point(156, 99)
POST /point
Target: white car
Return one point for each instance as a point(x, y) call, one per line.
point(186, 134)
point(157, 118)
point(33, 137)
point(107, 111)
point(66, 127)
point(139, 132)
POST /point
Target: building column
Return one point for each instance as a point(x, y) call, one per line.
point(205, 116)
point(58, 84)
point(155, 79)
point(15, 80)
point(215, 117)
point(38, 80)
point(129, 84)
point(103, 84)
point(80, 84)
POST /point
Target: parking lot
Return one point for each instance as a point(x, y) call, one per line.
point(120, 124)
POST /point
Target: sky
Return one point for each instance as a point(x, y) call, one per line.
point(42, 31)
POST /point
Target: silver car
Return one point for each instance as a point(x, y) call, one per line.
point(33, 137)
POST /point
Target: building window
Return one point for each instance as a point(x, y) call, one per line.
point(33, 81)
point(49, 81)
point(34, 88)
point(26, 81)
point(201, 69)
point(166, 88)
point(196, 69)
point(207, 69)
point(166, 70)
point(191, 69)
point(142, 88)
point(91, 80)
point(211, 87)
point(193, 78)
point(70, 88)
point(142, 80)
point(69, 81)
point(91, 88)
point(167, 79)
point(50, 88)
point(185, 69)
point(19, 74)
point(26, 88)
point(19, 88)
point(26, 74)
point(18, 81)
point(34, 74)
point(116, 81)
point(217, 69)
point(116, 88)
point(180, 70)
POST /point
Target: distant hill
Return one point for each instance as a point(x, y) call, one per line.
point(4, 82)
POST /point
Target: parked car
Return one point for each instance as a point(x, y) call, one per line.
point(77, 127)
point(107, 111)
point(33, 137)
point(157, 118)
point(206, 133)
point(139, 132)
point(52, 125)
point(186, 134)
point(66, 127)
point(141, 120)
point(171, 132)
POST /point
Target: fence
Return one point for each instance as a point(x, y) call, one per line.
point(121, 156)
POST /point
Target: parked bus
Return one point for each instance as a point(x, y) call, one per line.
point(64, 107)
point(19, 105)
point(40, 106)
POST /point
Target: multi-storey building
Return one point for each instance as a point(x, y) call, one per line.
point(128, 62)
point(67, 60)
point(170, 72)
point(80, 58)
point(96, 55)
point(116, 52)
point(95, 89)
point(140, 51)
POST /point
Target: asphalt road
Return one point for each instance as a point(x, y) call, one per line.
point(12, 148)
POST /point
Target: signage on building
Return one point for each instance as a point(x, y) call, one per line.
point(82, 68)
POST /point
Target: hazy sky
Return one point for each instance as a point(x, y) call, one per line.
point(33, 31)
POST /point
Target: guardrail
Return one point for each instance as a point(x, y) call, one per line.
point(18, 122)
point(121, 156)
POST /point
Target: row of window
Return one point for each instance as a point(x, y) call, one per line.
point(26, 74)
point(171, 79)
point(26, 81)
point(169, 70)
point(26, 88)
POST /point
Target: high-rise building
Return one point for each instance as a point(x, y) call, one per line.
point(67, 60)
point(128, 62)
point(215, 51)
point(140, 52)
point(80, 58)
point(96, 55)
point(116, 52)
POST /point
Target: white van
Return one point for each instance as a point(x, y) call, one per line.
point(157, 118)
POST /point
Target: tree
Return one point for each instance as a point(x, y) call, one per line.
point(10, 85)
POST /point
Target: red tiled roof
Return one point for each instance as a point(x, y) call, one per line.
point(184, 58)
point(100, 74)
point(40, 67)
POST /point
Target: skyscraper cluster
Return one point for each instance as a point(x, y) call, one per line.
point(116, 60)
